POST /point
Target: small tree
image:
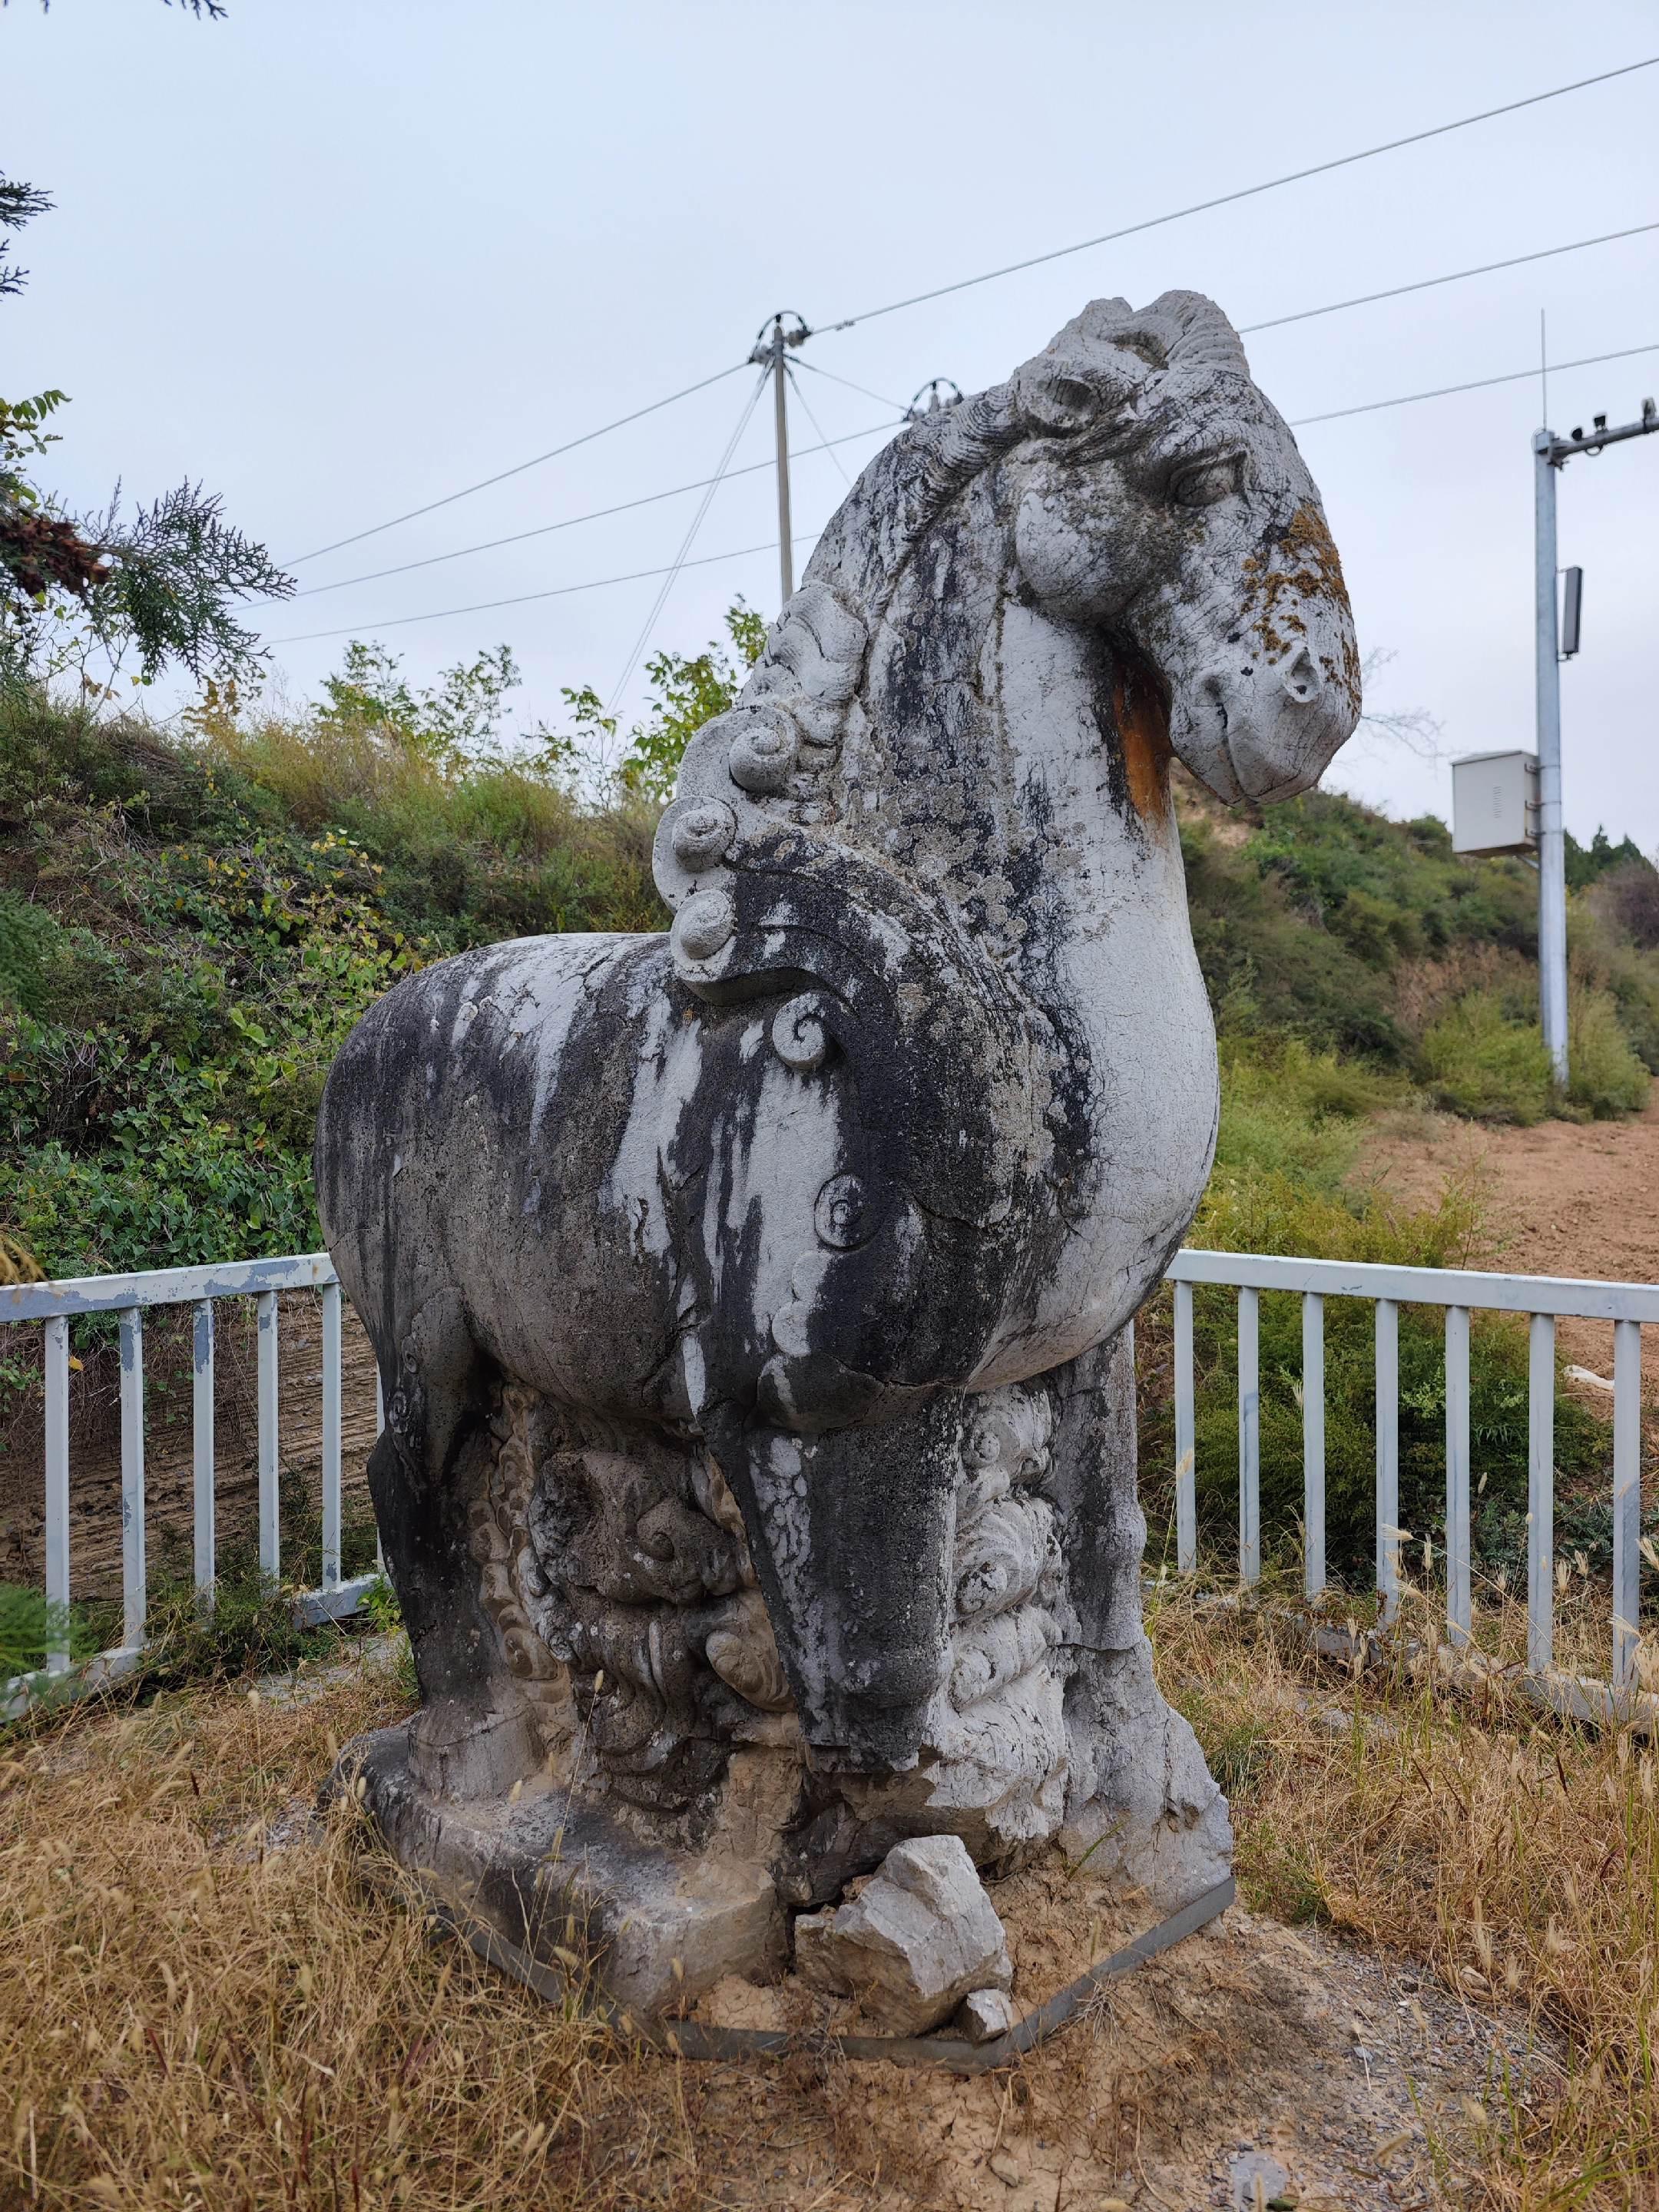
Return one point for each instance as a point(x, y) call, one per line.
point(160, 588)
point(687, 690)
point(455, 722)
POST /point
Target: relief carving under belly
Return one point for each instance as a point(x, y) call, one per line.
point(615, 1568)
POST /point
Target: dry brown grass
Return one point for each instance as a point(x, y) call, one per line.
point(193, 2017)
point(201, 2008)
point(1516, 1855)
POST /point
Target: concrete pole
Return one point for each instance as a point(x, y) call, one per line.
point(781, 409)
point(1552, 842)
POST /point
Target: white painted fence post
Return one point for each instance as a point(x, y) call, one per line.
point(58, 1494)
point(1186, 1473)
point(1459, 1612)
point(1313, 1444)
point(1387, 1456)
point(1626, 1500)
point(270, 1540)
point(1249, 1438)
point(332, 1436)
point(1541, 1494)
point(134, 1593)
point(201, 1448)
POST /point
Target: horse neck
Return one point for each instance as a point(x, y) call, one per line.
point(1010, 761)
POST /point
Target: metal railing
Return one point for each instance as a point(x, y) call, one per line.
point(129, 1297)
point(1459, 1292)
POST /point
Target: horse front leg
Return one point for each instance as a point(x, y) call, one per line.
point(1140, 1799)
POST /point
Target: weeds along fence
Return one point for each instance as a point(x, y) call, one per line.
point(201, 1292)
point(1458, 1294)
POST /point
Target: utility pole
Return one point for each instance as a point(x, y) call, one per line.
point(1549, 454)
point(933, 398)
point(771, 346)
point(1552, 841)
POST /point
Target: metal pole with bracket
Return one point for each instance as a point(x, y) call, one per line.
point(1550, 453)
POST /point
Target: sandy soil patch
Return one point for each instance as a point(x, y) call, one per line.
point(1562, 1199)
point(1253, 2064)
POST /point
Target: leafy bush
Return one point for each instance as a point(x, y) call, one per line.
point(1476, 1058)
point(1291, 1111)
point(30, 1626)
point(1605, 1075)
point(26, 941)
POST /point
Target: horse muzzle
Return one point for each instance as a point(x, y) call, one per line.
point(1264, 733)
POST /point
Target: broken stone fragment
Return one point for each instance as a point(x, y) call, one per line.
point(919, 1937)
point(984, 2014)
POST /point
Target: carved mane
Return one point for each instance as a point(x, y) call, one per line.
point(769, 759)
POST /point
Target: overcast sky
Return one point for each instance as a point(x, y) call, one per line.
point(339, 258)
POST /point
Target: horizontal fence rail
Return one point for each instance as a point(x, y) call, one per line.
point(55, 1305)
point(1544, 1299)
point(1458, 1292)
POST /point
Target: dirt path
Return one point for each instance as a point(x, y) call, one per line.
point(1562, 1199)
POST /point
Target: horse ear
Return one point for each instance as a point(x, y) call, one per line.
point(1105, 356)
point(1195, 332)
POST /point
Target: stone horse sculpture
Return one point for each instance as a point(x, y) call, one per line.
point(750, 1301)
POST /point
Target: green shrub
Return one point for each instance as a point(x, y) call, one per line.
point(29, 1626)
point(1292, 1111)
point(1476, 1060)
point(249, 1629)
point(1605, 1077)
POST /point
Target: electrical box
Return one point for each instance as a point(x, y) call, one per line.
point(1495, 803)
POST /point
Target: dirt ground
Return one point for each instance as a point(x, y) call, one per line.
point(1561, 1199)
point(1254, 2065)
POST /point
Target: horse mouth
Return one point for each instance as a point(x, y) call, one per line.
point(1217, 697)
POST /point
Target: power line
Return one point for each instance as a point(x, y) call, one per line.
point(689, 539)
point(1279, 322)
point(558, 592)
point(1478, 384)
point(519, 467)
point(1455, 276)
point(880, 398)
point(795, 385)
point(829, 445)
point(638, 575)
point(1247, 191)
point(597, 515)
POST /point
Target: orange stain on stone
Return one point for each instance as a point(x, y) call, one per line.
point(1142, 714)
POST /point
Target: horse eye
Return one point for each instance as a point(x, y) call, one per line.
point(1206, 483)
point(1073, 393)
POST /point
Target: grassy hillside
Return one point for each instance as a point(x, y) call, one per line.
point(191, 922)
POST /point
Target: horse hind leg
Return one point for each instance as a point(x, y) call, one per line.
point(428, 1475)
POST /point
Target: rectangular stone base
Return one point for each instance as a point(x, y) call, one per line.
point(568, 1885)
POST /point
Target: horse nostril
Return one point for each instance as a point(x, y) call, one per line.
point(1301, 679)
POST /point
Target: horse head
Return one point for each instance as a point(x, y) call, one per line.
point(1164, 500)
